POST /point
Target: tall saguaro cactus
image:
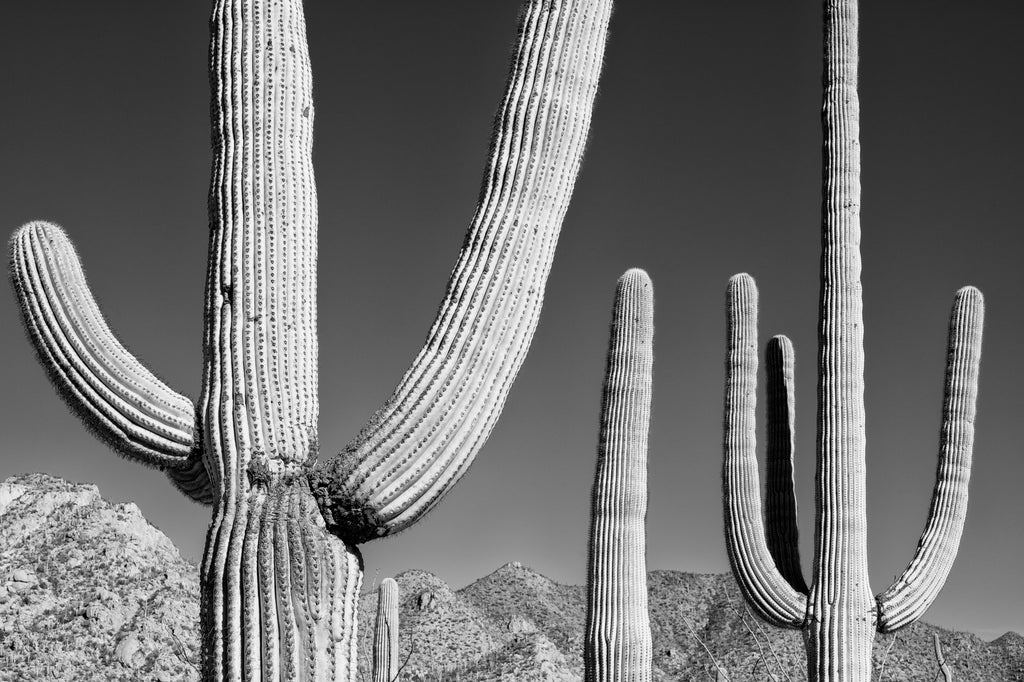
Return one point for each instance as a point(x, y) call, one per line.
point(385, 633)
point(281, 572)
point(617, 643)
point(837, 611)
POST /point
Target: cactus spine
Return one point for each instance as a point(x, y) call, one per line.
point(617, 645)
point(837, 612)
point(385, 634)
point(281, 572)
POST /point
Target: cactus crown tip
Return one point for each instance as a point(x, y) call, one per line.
point(741, 278)
point(970, 291)
point(635, 275)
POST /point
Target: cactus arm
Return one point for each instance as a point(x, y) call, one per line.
point(415, 448)
point(752, 562)
point(617, 642)
point(385, 633)
point(193, 481)
point(780, 498)
point(913, 592)
point(138, 415)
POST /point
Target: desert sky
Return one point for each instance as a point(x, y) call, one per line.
point(704, 160)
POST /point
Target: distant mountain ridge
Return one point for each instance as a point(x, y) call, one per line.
point(91, 591)
point(516, 624)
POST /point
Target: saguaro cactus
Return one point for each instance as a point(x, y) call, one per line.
point(385, 633)
point(947, 673)
point(281, 572)
point(838, 612)
point(617, 644)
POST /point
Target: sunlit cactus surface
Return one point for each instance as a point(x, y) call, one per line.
point(385, 633)
point(617, 641)
point(280, 572)
point(836, 610)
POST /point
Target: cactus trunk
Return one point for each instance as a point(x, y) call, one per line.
point(385, 634)
point(617, 643)
point(940, 659)
point(841, 621)
point(279, 592)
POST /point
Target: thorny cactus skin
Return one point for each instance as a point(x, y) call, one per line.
point(385, 633)
point(280, 572)
point(838, 613)
point(617, 644)
point(947, 674)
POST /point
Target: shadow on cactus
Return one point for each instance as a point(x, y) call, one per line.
point(281, 574)
point(837, 611)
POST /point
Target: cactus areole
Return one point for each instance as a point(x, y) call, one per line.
point(836, 610)
point(280, 572)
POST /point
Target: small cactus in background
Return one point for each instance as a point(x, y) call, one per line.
point(947, 673)
point(385, 634)
point(617, 643)
point(837, 611)
point(280, 574)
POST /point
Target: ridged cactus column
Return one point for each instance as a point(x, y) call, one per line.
point(617, 643)
point(281, 572)
point(837, 612)
point(385, 633)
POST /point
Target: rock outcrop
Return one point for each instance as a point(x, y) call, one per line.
point(89, 590)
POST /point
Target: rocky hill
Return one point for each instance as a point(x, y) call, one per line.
point(516, 624)
point(90, 591)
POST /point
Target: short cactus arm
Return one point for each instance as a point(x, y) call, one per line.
point(105, 385)
point(424, 438)
point(617, 641)
point(385, 633)
point(780, 500)
point(913, 592)
point(752, 562)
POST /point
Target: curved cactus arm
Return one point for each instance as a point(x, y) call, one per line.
point(780, 500)
point(385, 633)
point(752, 563)
point(193, 480)
point(138, 415)
point(617, 642)
point(423, 439)
point(913, 592)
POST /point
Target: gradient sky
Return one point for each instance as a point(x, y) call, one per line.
point(704, 161)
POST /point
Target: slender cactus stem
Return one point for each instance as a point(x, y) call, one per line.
point(617, 642)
